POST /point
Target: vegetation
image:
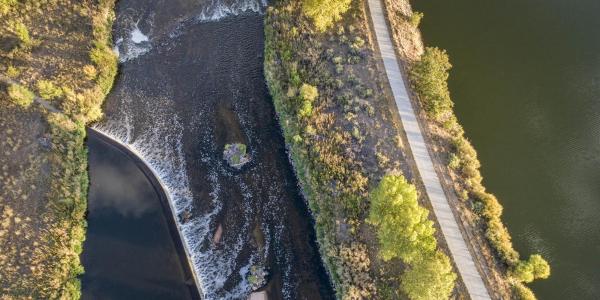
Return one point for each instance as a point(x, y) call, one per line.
point(47, 90)
point(415, 18)
point(337, 123)
point(325, 13)
point(20, 95)
point(404, 231)
point(44, 157)
point(429, 76)
point(403, 228)
point(533, 268)
point(430, 278)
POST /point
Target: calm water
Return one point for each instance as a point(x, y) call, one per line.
point(130, 251)
point(526, 82)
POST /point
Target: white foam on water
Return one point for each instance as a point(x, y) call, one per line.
point(160, 147)
point(137, 36)
point(219, 9)
point(133, 45)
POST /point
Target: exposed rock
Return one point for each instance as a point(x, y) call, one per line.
point(235, 155)
point(257, 277)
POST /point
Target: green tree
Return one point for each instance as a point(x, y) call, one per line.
point(429, 76)
point(402, 226)
point(431, 278)
point(20, 95)
point(325, 12)
point(535, 267)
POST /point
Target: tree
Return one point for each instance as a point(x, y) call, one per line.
point(431, 278)
point(534, 268)
point(402, 225)
point(430, 75)
point(325, 12)
point(20, 95)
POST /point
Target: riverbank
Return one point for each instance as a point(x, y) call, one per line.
point(348, 148)
point(456, 161)
point(47, 50)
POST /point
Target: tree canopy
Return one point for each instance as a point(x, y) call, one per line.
point(402, 225)
point(325, 12)
point(431, 278)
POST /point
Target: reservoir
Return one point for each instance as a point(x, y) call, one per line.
point(526, 84)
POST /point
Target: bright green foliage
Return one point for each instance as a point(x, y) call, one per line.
point(106, 64)
point(522, 292)
point(534, 268)
point(415, 18)
point(402, 225)
point(308, 94)
point(12, 72)
point(5, 5)
point(430, 76)
point(431, 278)
point(20, 95)
point(325, 12)
point(22, 33)
point(48, 90)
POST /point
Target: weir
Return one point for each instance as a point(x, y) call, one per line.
point(197, 85)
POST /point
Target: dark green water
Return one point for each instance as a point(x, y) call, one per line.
point(526, 83)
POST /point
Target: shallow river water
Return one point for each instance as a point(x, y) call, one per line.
point(526, 83)
point(190, 82)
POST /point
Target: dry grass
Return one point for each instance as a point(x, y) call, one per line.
point(43, 157)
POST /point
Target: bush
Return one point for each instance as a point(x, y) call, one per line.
point(429, 76)
point(48, 90)
point(429, 279)
point(402, 225)
point(534, 268)
point(22, 33)
point(522, 292)
point(415, 18)
point(308, 94)
point(20, 95)
point(5, 5)
point(325, 12)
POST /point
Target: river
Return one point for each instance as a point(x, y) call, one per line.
point(191, 81)
point(526, 84)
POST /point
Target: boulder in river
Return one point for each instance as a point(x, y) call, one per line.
point(235, 155)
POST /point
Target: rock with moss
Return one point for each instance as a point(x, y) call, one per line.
point(235, 155)
point(257, 277)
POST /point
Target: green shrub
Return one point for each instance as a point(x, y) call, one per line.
point(325, 12)
point(20, 95)
point(429, 76)
point(522, 292)
point(22, 33)
point(5, 5)
point(48, 90)
point(12, 72)
point(534, 268)
point(499, 237)
point(431, 278)
point(415, 18)
point(106, 64)
point(402, 226)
